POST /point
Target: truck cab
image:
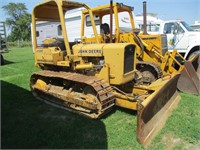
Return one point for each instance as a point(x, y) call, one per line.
point(182, 37)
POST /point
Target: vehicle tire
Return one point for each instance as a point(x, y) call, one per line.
point(193, 54)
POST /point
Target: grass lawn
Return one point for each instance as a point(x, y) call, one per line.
point(28, 123)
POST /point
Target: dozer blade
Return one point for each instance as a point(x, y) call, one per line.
point(189, 81)
point(154, 111)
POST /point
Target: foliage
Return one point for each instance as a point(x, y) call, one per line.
point(19, 21)
point(19, 44)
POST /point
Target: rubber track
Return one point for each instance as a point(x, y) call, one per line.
point(102, 88)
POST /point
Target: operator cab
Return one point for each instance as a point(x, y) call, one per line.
point(123, 23)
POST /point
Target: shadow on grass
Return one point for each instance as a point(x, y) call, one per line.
point(128, 111)
point(28, 123)
point(6, 62)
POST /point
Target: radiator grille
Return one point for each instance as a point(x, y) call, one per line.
point(129, 58)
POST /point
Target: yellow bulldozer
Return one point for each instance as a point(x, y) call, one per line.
point(153, 59)
point(92, 78)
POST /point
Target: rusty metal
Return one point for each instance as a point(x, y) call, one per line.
point(189, 81)
point(111, 19)
point(152, 116)
point(151, 68)
point(144, 18)
point(62, 97)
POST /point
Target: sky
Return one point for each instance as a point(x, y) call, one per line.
point(187, 10)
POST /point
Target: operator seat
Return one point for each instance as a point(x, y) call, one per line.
point(105, 29)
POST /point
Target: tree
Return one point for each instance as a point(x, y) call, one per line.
point(19, 21)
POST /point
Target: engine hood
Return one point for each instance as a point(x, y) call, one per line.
point(194, 34)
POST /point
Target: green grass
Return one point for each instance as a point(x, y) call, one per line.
point(29, 123)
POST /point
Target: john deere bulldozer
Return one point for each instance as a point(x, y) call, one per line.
point(152, 57)
point(91, 78)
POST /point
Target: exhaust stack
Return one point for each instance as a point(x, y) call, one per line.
point(111, 19)
point(144, 18)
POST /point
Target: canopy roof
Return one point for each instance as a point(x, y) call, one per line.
point(48, 10)
point(105, 9)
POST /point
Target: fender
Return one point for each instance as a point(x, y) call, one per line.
point(194, 43)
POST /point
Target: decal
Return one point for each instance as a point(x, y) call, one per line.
point(90, 51)
point(39, 50)
point(125, 20)
point(151, 38)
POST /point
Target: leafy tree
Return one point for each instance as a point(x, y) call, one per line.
point(19, 21)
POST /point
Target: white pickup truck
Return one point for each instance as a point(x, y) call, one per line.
point(180, 36)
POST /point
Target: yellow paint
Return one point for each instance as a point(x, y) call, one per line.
point(104, 73)
point(50, 55)
point(84, 66)
point(40, 84)
point(63, 63)
point(126, 104)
